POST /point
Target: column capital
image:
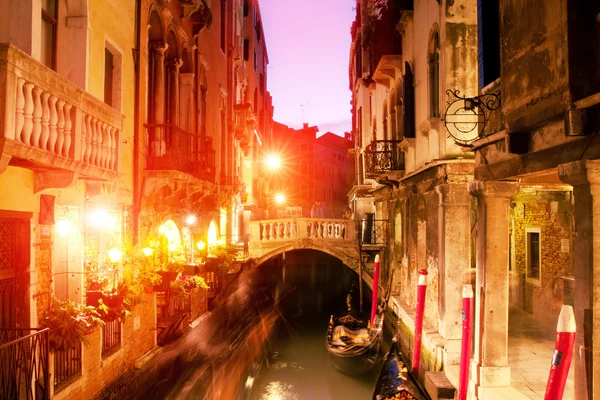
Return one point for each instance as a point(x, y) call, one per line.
point(158, 48)
point(580, 172)
point(175, 64)
point(453, 194)
point(496, 189)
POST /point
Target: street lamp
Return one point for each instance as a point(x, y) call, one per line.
point(273, 162)
point(279, 198)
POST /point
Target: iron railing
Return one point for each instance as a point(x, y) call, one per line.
point(24, 364)
point(372, 231)
point(172, 148)
point(111, 337)
point(384, 155)
point(67, 366)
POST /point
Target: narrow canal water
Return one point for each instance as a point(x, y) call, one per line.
point(298, 366)
point(266, 340)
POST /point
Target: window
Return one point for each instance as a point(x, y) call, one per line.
point(246, 49)
point(223, 23)
point(408, 100)
point(434, 76)
point(112, 76)
point(111, 337)
point(533, 253)
point(246, 8)
point(303, 167)
point(304, 191)
point(262, 84)
point(49, 25)
point(488, 43)
point(255, 62)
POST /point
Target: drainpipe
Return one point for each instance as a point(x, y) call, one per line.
point(136, 123)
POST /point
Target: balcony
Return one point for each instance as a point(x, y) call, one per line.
point(245, 125)
point(384, 160)
point(181, 151)
point(52, 126)
point(380, 34)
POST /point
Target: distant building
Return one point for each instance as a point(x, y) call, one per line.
point(313, 169)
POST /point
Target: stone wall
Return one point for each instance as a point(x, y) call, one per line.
point(542, 298)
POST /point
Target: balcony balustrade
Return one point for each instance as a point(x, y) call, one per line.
point(383, 156)
point(299, 228)
point(48, 123)
point(181, 151)
point(24, 372)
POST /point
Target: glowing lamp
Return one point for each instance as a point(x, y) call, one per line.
point(212, 234)
point(273, 162)
point(63, 227)
point(201, 245)
point(147, 251)
point(220, 242)
point(279, 198)
point(190, 220)
point(102, 219)
point(172, 247)
point(115, 255)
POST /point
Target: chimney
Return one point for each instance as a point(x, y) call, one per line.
point(305, 125)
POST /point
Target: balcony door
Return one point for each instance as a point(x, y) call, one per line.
point(14, 275)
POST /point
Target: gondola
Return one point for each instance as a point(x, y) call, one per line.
point(352, 343)
point(395, 381)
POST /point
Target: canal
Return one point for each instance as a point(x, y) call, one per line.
point(267, 340)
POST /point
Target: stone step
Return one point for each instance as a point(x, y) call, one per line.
point(438, 386)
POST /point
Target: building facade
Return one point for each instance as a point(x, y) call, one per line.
point(479, 162)
point(105, 152)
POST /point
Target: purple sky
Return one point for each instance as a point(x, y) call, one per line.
point(308, 43)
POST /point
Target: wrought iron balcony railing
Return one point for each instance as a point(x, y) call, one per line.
point(50, 123)
point(24, 372)
point(383, 156)
point(172, 148)
point(373, 231)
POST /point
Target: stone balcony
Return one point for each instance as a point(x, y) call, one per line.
point(52, 126)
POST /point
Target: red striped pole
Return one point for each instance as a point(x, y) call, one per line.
point(375, 290)
point(421, 288)
point(467, 338)
point(563, 352)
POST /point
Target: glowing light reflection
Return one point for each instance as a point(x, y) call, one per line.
point(279, 391)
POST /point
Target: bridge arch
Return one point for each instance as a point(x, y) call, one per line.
point(350, 260)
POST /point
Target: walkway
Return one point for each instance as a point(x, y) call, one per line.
point(530, 354)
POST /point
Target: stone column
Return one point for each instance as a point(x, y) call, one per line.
point(186, 111)
point(157, 138)
point(173, 70)
point(489, 367)
point(584, 176)
point(454, 263)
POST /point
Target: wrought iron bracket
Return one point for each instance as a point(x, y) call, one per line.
point(465, 117)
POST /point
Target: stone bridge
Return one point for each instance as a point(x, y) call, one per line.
point(337, 237)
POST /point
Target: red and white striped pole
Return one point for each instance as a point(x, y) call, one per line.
point(563, 352)
point(467, 338)
point(421, 288)
point(375, 290)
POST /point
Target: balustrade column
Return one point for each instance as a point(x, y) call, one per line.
point(157, 98)
point(584, 176)
point(173, 76)
point(490, 359)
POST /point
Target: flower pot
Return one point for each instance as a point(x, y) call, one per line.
point(167, 278)
point(92, 297)
point(190, 269)
point(113, 302)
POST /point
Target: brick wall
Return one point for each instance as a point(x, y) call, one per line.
point(543, 298)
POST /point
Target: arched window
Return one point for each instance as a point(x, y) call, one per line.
point(434, 75)
point(303, 167)
point(304, 191)
point(384, 124)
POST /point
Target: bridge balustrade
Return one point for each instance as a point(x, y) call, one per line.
point(299, 228)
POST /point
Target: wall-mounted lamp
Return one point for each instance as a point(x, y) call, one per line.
point(115, 255)
point(148, 251)
point(63, 227)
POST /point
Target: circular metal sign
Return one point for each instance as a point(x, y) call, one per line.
point(465, 118)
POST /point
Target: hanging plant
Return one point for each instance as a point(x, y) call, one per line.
point(69, 323)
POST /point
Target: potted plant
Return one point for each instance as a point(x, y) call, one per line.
point(183, 285)
point(69, 323)
point(120, 301)
point(149, 279)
